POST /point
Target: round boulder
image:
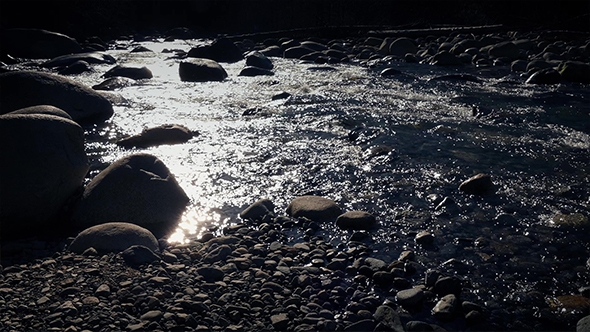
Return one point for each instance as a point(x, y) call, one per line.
point(297, 52)
point(444, 58)
point(221, 50)
point(257, 59)
point(68, 59)
point(401, 46)
point(37, 43)
point(255, 71)
point(43, 109)
point(480, 184)
point(356, 220)
point(201, 70)
point(545, 76)
point(28, 88)
point(138, 189)
point(113, 237)
point(129, 72)
point(258, 210)
point(44, 165)
point(315, 208)
point(504, 50)
point(575, 71)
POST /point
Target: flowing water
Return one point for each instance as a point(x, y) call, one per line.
point(390, 146)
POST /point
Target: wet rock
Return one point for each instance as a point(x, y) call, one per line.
point(88, 57)
point(480, 184)
point(570, 304)
point(544, 76)
point(314, 207)
point(536, 65)
point(114, 83)
point(259, 210)
point(576, 220)
point(113, 237)
point(43, 109)
point(28, 88)
point(297, 52)
point(390, 72)
point(44, 165)
point(211, 274)
point(424, 238)
point(135, 73)
point(282, 95)
point(418, 326)
point(138, 255)
point(504, 50)
point(273, 50)
point(165, 134)
point(255, 71)
point(140, 49)
point(447, 285)
point(387, 317)
point(138, 189)
point(445, 58)
point(362, 325)
point(221, 50)
point(583, 324)
point(201, 70)
point(474, 318)
point(258, 59)
point(575, 71)
point(76, 68)
point(444, 309)
point(218, 254)
point(356, 220)
point(401, 46)
point(410, 298)
point(37, 43)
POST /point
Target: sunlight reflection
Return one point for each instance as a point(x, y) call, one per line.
point(194, 223)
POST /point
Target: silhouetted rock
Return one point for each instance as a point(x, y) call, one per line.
point(113, 237)
point(37, 43)
point(43, 165)
point(504, 50)
point(138, 255)
point(201, 70)
point(75, 68)
point(545, 76)
point(401, 46)
point(43, 109)
point(480, 184)
point(575, 71)
point(258, 59)
point(28, 88)
point(114, 83)
point(444, 58)
point(165, 134)
point(297, 52)
point(89, 57)
point(356, 220)
point(138, 189)
point(129, 72)
point(258, 210)
point(255, 71)
point(221, 50)
point(315, 208)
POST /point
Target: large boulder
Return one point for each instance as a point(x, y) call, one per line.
point(43, 109)
point(315, 208)
point(138, 189)
point(201, 70)
point(401, 46)
point(258, 59)
point(113, 237)
point(37, 44)
point(43, 166)
point(221, 50)
point(29, 88)
point(68, 59)
point(165, 134)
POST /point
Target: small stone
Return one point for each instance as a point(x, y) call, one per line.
point(444, 309)
point(90, 300)
point(406, 255)
point(418, 326)
point(152, 315)
point(473, 318)
point(387, 316)
point(583, 324)
point(103, 290)
point(447, 285)
point(362, 325)
point(424, 238)
point(410, 297)
point(138, 254)
point(280, 322)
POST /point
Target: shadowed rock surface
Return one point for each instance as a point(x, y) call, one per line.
point(113, 237)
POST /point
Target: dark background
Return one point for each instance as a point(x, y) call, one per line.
point(112, 18)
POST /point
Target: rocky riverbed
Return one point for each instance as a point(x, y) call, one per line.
point(387, 125)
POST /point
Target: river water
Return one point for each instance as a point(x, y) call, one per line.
point(392, 146)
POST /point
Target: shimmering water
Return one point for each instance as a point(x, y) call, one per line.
point(383, 145)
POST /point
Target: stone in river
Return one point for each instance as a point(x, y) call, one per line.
point(424, 238)
point(37, 43)
point(401, 46)
point(89, 57)
point(504, 50)
point(201, 70)
point(356, 220)
point(480, 184)
point(444, 58)
point(255, 71)
point(445, 308)
point(575, 71)
point(315, 208)
point(280, 321)
point(258, 210)
point(165, 134)
point(418, 326)
point(75, 68)
point(297, 52)
point(221, 50)
point(545, 76)
point(43, 109)
point(258, 59)
point(114, 83)
point(44, 165)
point(113, 237)
point(138, 189)
point(28, 88)
point(135, 73)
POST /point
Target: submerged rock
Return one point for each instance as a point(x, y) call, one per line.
point(138, 189)
point(28, 88)
point(44, 164)
point(165, 134)
point(113, 237)
point(315, 208)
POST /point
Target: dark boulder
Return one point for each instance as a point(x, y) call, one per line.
point(113, 237)
point(37, 44)
point(575, 71)
point(75, 68)
point(43, 109)
point(315, 208)
point(201, 70)
point(255, 71)
point(138, 189)
point(135, 73)
point(480, 184)
point(545, 76)
point(165, 134)
point(44, 165)
point(114, 83)
point(257, 59)
point(297, 52)
point(401, 46)
point(89, 57)
point(221, 50)
point(356, 220)
point(258, 210)
point(28, 88)
point(444, 58)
